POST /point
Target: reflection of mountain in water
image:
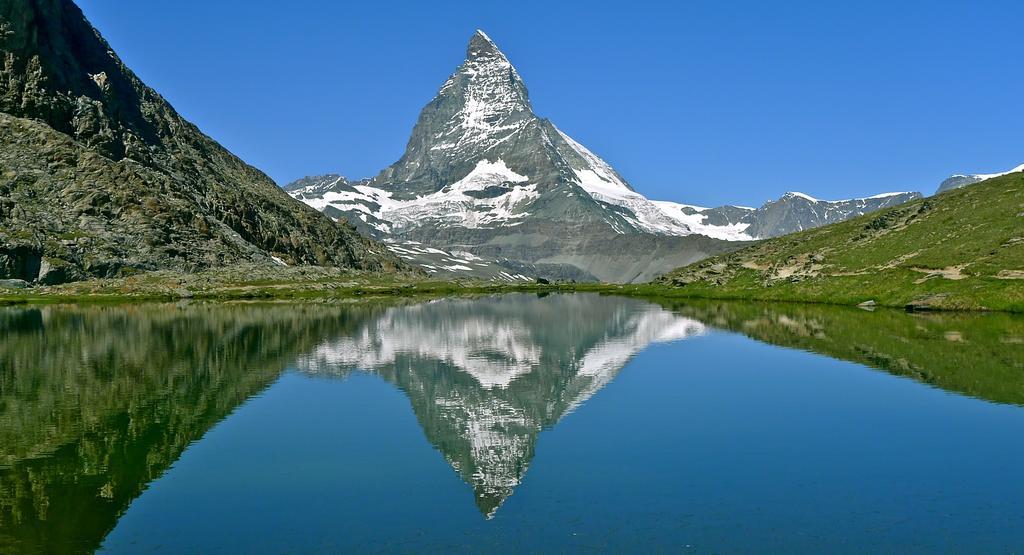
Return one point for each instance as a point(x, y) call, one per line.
point(485, 376)
point(96, 402)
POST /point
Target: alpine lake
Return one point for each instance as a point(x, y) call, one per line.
point(509, 423)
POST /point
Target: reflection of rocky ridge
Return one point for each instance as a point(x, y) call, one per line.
point(97, 402)
point(485, 376)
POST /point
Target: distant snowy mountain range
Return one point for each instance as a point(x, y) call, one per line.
point(483, 175)
point(377, 213)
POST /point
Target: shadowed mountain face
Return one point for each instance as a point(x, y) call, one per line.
point(97, 402)
point(100, 176)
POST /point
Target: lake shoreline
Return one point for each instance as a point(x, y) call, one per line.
point(323, 284)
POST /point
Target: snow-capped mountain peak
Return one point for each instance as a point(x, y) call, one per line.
point(482, 173)
point(481, 105)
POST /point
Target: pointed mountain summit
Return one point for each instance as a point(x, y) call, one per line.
point(481, 45)
point(101, 177)
point(481, 106)
point(482, 173)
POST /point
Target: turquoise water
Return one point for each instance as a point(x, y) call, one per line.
point(514, 423)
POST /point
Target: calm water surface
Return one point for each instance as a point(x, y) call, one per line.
point(510, 423)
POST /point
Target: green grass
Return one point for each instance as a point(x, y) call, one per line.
point(904, 255)
point(891, 257)
point(230, 284)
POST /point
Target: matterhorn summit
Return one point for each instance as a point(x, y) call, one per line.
point(483, 174)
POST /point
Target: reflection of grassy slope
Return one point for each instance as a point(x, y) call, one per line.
point(887, 255)
point(97, 402)
point(977, 355)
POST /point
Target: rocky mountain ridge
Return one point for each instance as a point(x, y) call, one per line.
point(101, 177)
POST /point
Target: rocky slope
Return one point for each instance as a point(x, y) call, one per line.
point(961, 249)
point(483, 173)
point(99, 176)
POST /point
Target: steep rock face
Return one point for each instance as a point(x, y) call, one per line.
point(479, 158)
point(100, 176)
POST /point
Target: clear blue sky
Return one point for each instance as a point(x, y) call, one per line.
point(703, 102)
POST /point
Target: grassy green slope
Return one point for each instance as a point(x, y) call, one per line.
point(963, 249)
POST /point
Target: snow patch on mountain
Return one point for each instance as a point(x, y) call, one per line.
point(798, 194)
point(604, 184)
point(894, 194)
point(453, 205)
point(447, 264)
point(695, 219)
point(984, 176)
point(486, 174)
point(598, 177)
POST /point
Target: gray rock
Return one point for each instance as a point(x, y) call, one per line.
point(13, 284)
